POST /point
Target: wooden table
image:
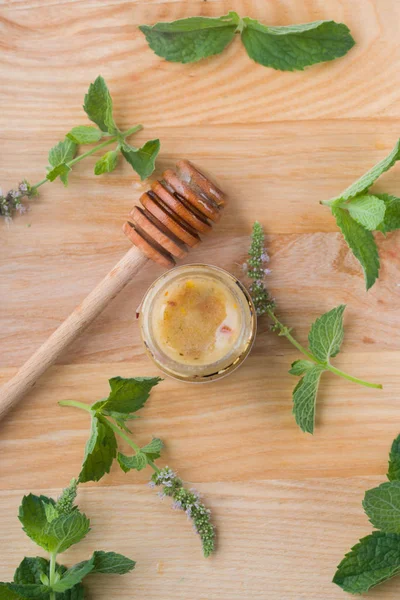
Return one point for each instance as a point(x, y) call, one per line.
point(287, 505)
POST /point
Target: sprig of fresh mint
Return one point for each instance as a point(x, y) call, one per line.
point(287, 48)
point(359, 213)
point(376, 557)
point(55, 526)
point(98, 106)
point(324, 339)
point(109, 419)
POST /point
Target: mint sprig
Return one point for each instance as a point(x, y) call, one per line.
point(63, 156)
point(324, 339)
point(359, 213)
point(376, 557)
point(109, 418)
point(287, 48)
point(55, 526)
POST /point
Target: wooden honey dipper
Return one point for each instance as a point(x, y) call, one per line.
point(175, 211)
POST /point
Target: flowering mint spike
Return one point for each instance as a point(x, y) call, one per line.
point(256, 271)
point(65, 503)
point(188, 501)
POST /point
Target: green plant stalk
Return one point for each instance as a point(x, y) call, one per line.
point(114, 427)
point(286, 333)
point(113, 139)
point(52, 573)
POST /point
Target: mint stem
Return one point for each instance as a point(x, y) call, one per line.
point(52, 573)
point(111, 140)
point(283, 330)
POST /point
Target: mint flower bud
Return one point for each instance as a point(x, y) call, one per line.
point(256, 271)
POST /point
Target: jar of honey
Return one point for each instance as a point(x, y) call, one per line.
point(197, 323)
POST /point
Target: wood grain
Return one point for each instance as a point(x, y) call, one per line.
point(287, 506)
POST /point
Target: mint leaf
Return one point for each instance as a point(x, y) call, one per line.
point(362, 244)
point(138, 461)
point(30, 570)
point(99, 107)
point(74, 575)
point(361, 185)
point(299, 367)
point(190, 40)
point(294, 47)
point(304, 399)
point(368, 211)
point(128, 395)
point(106, 163)
point(391, 221)
point(394, 461)
point(100, 451)
point(382, 505)
point(84, 134)
point(7, 594)
point(143, 159)
point(66, 530)
point(111, 562)
point(32, 514)
point(29, 591)
point(59, 155)
point(153, 449)
point(326, 334)
point(373, 560)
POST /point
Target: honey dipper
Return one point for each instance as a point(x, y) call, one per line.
point(176, 209)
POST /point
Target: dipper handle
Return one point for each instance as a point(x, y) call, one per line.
point(82, 316)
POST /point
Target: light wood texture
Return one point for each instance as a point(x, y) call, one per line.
point(287, 506)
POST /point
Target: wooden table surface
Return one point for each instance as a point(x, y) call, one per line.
point(287, 505)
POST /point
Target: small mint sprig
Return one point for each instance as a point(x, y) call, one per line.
point(359, 213)
point(55, 526)
point(288, 48)
point(109, 421)
point(325, 338)
point(62, 157)
point(376, 557)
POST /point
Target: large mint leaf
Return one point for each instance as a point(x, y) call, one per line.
point(7, 594)
point(382, 505)
point(74, 575)
point(361, 242)
point(190, 40)
point(373, 560)
point(294, 47)
point(67, 530)
point(111, 562)
point(30, 570)
point(305, 397)
point(59, 155)
point(142, 160)
point(394, 461)
point(326, 334)
point(32, 514)
point(100, 451)
point(391, 221)
point(368, 211)
point(99, 107)
point(84, 134)
point(34, 591)
point(128, 395)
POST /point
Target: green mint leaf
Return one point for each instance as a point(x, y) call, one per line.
point(326, 334)
point(99, 107)
point(59, 155)
point(394, 461)
point(304, 399)
point(7, 594)
point(111, 562)
point(391, 221)
point(294, 47)
point(373, 560)
point(38, 591)
point(362, 244)
point(299, 367)
point(32, 514)
point(190, 40)
point(106, 163)
point(364, 183)
point(382, 505)
point(30, 570)
point(153, 449)
point(138, 461)
point(67, 530)
point(84, 134)
point(368, 211)
point(142, 160)
point(74, 575)
point(128, 395)
point(100, 451)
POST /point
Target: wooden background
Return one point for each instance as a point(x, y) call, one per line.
point(287, 506)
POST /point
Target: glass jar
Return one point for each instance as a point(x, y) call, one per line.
point(197, 323)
